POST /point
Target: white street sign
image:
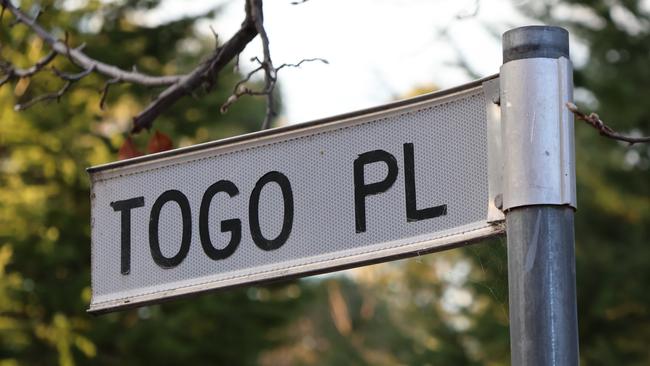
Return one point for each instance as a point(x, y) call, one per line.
point(399, 180)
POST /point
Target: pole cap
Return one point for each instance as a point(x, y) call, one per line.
point(535, 41)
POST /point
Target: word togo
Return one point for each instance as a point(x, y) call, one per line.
point(233, 226)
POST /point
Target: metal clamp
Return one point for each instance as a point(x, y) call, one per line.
point(537, 132)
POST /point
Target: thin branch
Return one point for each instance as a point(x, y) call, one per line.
point(13, 73)
point(302, 62)
point(594, 120)
point(270, 75)
point(76, 56)
point(44, 97)
point(21, 73)
point(216, 37)
point(69, 80)
point(72, 77)
point(107, 84)
point(240, 90)
point(37, 66)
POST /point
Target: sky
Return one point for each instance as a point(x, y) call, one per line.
point(377, 50)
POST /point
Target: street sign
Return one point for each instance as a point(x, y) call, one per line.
point(399, 180)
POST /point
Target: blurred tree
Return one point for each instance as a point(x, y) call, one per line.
point(44, 206)
point(433, 310)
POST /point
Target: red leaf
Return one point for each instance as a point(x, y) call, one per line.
point(159, 142)
point(128, 150)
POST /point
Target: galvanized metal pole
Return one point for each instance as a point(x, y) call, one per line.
point(539, 195)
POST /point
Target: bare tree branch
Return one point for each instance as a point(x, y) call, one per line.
point(241, 90)
point(69, 80)
point(72, 77)
point(79, 58)
point(205, 73)
point(270, 72)
point(594, 120)
point(13, 73)
point(178, 85)
point(302, 62)
point(41, 98)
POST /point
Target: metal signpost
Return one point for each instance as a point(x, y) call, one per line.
point(539, 195)
point(412, 177)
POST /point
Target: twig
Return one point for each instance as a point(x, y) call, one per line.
point(44, 97)
point(69, 80)
point(302, 62)
point(72, 77)
point(216, 37)
point(239, 90)
point(13, 73)
point(107, 84)
point(594, 120)
point(270, 72)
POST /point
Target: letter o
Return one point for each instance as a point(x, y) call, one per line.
point(253, 211)
point(154, 243)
